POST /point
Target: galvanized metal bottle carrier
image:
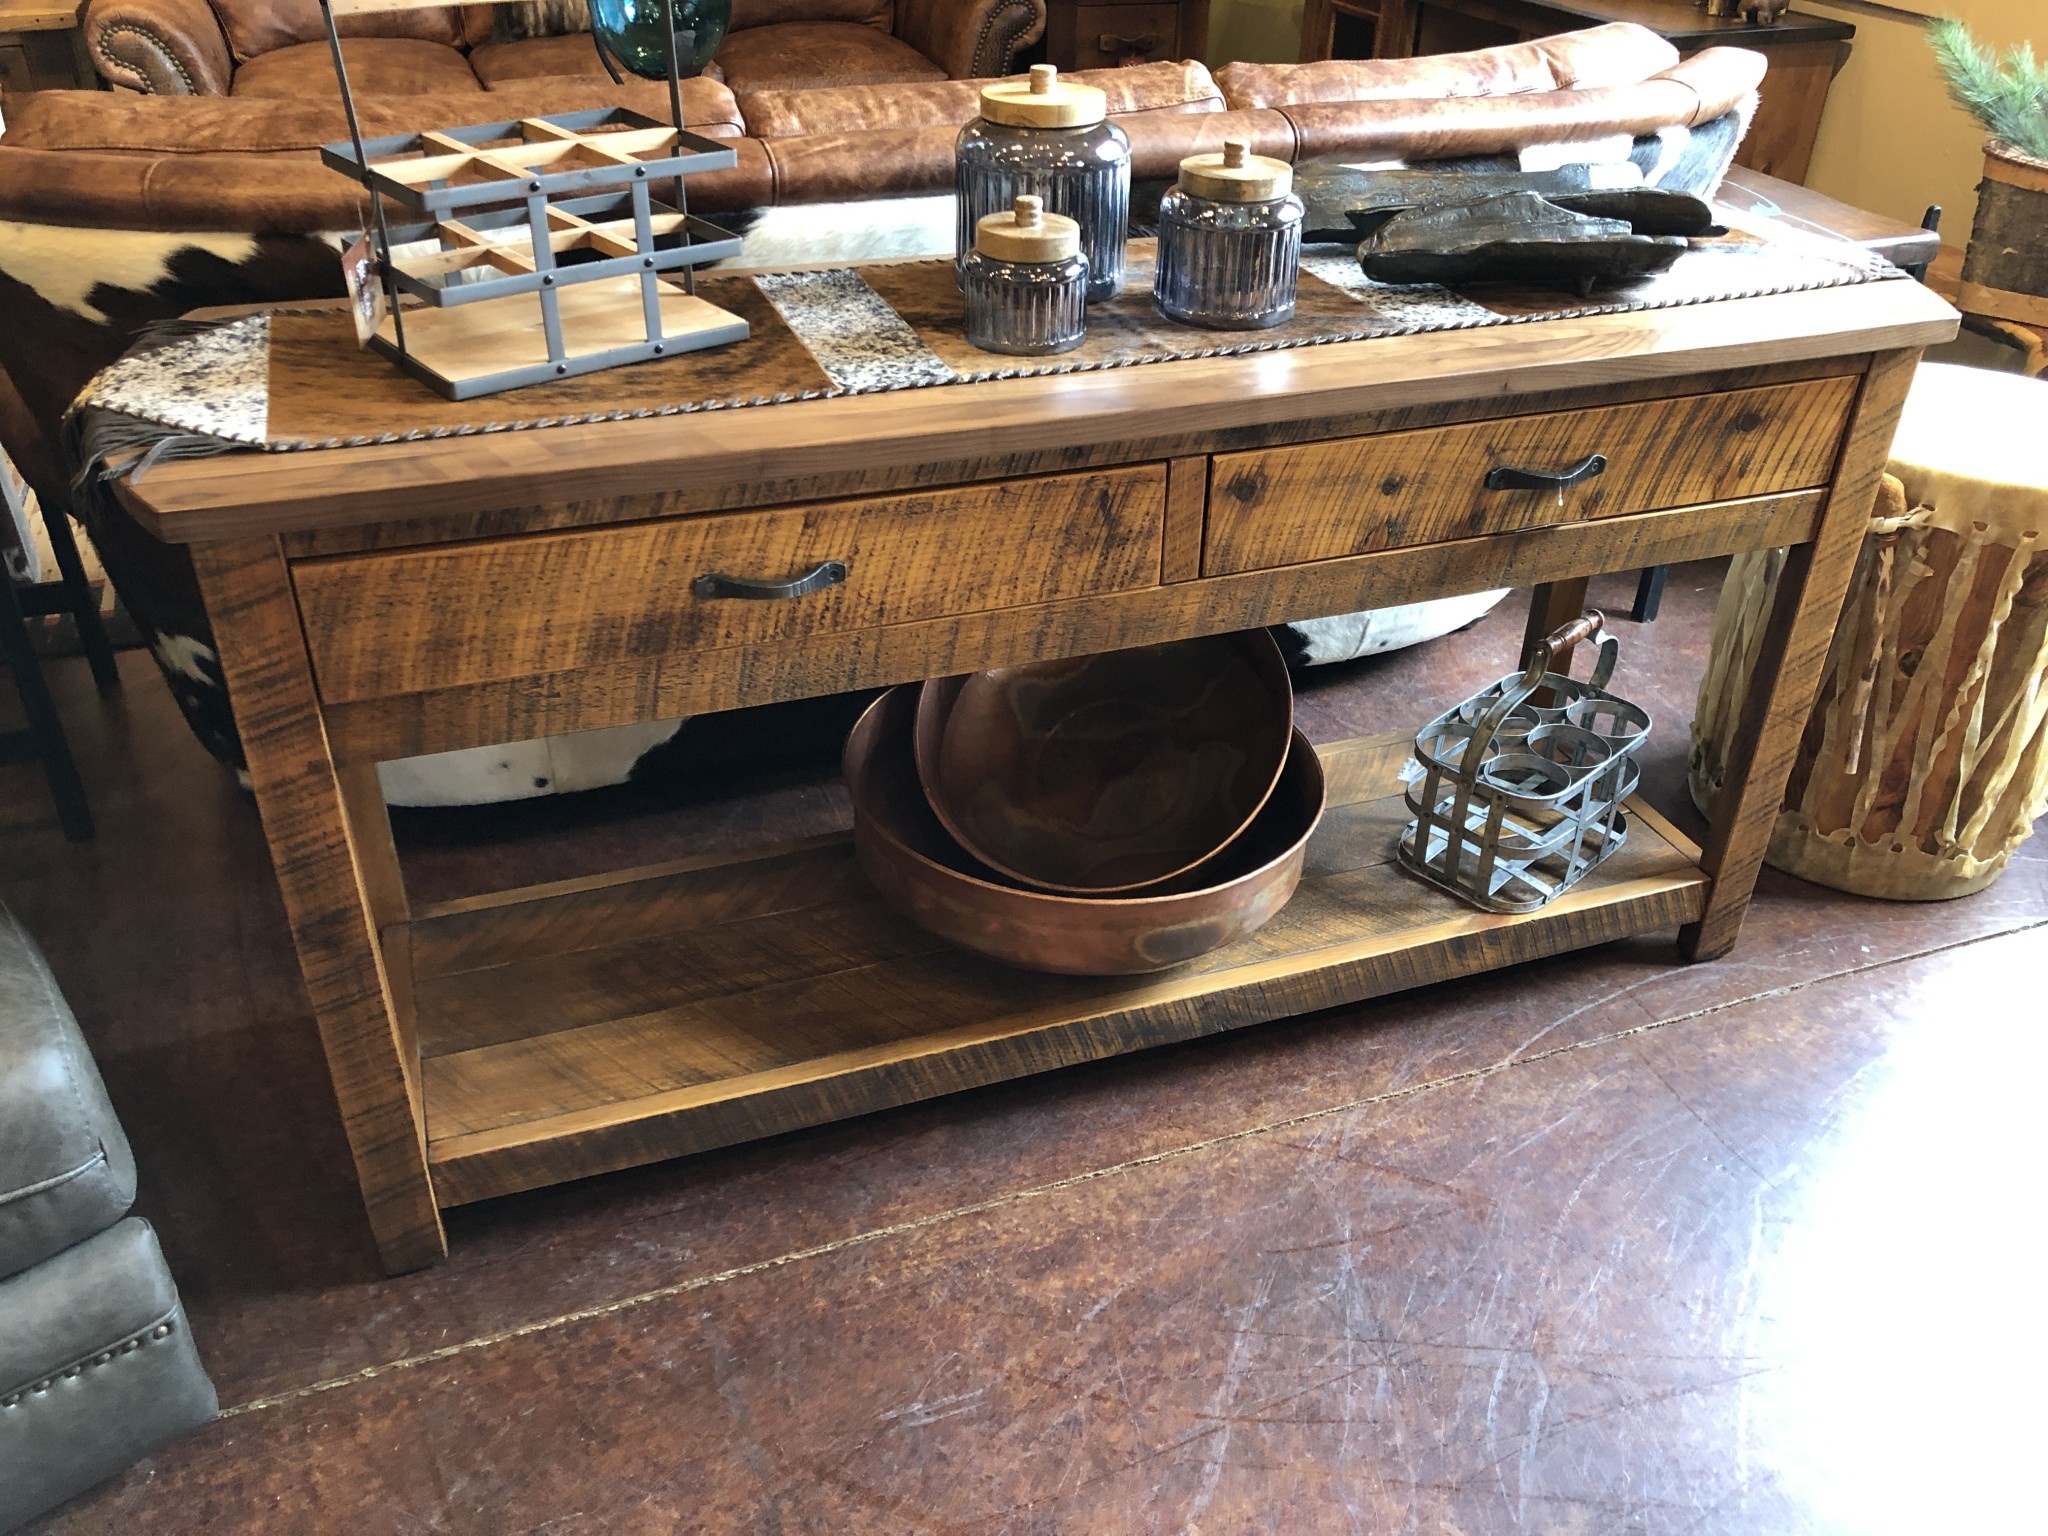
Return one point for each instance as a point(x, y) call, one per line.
point(513, 197)
point(1517, 792)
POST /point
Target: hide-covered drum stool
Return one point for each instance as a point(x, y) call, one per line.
point(1925, 761)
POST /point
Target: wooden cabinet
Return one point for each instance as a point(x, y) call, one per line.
point(41, 48)
point(1102, 34)
point(1805, 52)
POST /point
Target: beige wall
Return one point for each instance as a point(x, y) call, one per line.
point(1890, 142)
point(1262, 31)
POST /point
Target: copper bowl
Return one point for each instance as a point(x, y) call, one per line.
point(925, 875)
point(1097, 775)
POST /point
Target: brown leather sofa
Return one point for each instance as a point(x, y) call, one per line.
point(276, 50)
point(117, 213)
point(233, 164)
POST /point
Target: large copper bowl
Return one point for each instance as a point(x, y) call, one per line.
point(925, 875)
point(1112, 773)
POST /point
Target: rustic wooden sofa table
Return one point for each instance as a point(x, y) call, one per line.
point(373, 603)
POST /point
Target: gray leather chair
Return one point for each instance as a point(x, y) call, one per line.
point(97, 1366)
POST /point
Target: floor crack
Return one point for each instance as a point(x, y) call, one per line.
point(1072, 1181)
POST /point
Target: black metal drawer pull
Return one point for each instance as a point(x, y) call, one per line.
point(714, 584)
point(1505, 479)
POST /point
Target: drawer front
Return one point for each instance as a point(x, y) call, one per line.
point(385, 624)
point(1106, 36)
point(1322, 501)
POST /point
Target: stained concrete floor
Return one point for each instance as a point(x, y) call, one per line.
point(1603, 1244)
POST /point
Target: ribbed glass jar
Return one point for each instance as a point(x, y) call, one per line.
point(1227, 266)
point(1025, 308)
point(1084, 173)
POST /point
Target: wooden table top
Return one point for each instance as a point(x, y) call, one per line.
point(38, 15)
point(236, 495)
point(1759, 195)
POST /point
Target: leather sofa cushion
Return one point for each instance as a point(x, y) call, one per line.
point(884, 162)
point(1143, 88)
point(377, 66)
point(1618, 54)
point(1691, 92)
point(97, 1369)
point(193, 126)
point(570, 56)
point(746, 14)
point(820, 53)
point(257, 27)
point(65, 1168)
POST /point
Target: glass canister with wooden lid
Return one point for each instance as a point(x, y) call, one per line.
point(1229, 241)
point(1025, 282)
point(1045, 137)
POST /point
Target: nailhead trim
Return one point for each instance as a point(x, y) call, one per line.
point(985, 65)
point(126, 1346)
point(163, 47)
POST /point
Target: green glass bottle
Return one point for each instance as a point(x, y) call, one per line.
point(631, 30)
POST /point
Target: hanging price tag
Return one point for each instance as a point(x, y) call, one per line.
point(366, 300)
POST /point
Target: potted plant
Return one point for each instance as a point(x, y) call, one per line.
point(2005, 274)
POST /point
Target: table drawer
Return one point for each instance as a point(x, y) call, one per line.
point(385, 624)
point(1106, 36)
point(1321, 501)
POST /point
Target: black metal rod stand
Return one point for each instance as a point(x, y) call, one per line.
point(44, 738)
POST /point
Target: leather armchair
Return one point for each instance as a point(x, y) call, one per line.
point(97, 1366)
point(161, 47)
point(277, 49)
point(970, 42)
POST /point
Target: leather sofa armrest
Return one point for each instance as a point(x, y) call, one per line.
point(1719, 77)
point(162, 47)
point(970, 39)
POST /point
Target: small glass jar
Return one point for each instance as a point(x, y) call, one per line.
point(1025, 282)
point(1049, 138)
point(1229, 242)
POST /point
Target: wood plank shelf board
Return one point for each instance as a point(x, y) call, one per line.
point(592, 1025)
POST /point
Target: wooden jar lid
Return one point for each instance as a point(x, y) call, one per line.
point(1236, 176)
point(1027, 233)
point(1042, 99)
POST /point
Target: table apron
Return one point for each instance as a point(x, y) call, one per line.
point(690, 682)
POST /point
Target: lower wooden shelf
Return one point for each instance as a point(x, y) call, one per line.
point(591, 1025)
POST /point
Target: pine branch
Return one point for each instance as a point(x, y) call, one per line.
point(2007, 95)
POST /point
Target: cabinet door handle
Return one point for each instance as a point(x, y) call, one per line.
point(1506, 479)
point(715, 584)
point(1126, 47)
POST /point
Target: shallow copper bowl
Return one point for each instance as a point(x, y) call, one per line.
point(1095, 775)
point(925, 875)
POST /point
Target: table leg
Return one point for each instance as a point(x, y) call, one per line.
point(331, 887)
point(369, 831)
point(1552, 605)
point(1794, 649)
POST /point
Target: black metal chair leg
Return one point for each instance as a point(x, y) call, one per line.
point(83, 607)
point(1649, 594)
point(45, 729)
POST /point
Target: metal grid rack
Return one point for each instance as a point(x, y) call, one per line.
point(514, 198)
point(1517, 792)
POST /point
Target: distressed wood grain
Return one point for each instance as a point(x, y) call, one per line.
point(327, 884)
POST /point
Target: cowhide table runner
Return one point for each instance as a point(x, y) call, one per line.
point(289, 379)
